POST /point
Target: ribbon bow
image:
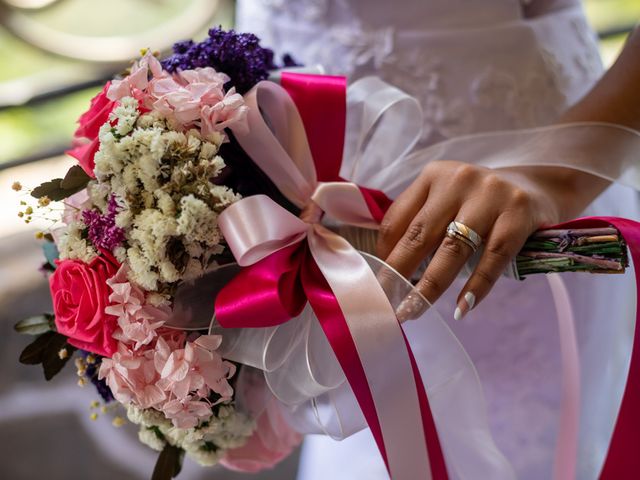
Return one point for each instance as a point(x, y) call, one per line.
point(290, 260)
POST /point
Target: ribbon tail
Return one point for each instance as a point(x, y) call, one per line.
point(334, 325)
point(622, 459)
point(436, 457)
point(394, 404)
point(567, 443)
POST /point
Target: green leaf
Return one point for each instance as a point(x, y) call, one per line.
point(36, 325)
point(46, 350)
point(51, 189)
point(76, 178)
point(169, 463)
point(51, 361)
point(60, 188)
point(34, 352)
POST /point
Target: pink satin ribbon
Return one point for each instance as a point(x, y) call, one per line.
point(326, 106)
point(566, 454)
point(289, 261)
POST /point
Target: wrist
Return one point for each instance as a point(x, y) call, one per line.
point(563, 193)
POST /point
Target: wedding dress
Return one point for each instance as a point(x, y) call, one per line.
point(475, 67)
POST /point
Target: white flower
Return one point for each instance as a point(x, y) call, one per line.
point(194, 142)
point(147, 417)
point(130, 177)
point(151, 120)
point(99, 194)
point(108, 158)
point(230, 429)
point(120, 253)
point(124, 218)
point(125, 115)
point(149, 437)
point(210, 151)
point(195, 250)
point(197, 222)
point(158, 300)
point(174, 435)
point(168, 271)
point(224, 195)
point(72, 246)
point(141, 272)
point(148, 252)
point(169, 204)
point(165, 203)
point(217, 138)
point(204, 456)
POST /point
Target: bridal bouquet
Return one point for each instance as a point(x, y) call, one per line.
point(172, 157)
point(140, 215)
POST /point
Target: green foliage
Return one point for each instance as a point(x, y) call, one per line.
point(36, 325)
point(60, 188)
point(169, 463)
point(45, 350)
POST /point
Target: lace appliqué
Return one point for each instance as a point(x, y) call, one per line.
point(344, 44)
point(534, 100)
point(306, 9)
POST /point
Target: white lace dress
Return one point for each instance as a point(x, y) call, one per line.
point(479, 66)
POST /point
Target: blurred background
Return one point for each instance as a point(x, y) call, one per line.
point(54, 56)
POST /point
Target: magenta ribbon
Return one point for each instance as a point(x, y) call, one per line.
point(622, 460)
point(289, 261)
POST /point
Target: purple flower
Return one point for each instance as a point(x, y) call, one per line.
point(289, 61)
point(239, 55)
point(92, 374)
point(103, 231)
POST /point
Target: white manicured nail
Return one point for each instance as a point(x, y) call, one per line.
point(411, 308)
point(466, 304)
point(471, 299)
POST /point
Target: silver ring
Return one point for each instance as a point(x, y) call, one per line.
point(460, 231)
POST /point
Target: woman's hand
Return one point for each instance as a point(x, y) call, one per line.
point(503, 206)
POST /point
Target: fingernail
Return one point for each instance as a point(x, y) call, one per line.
point(466, 304)
point(411, 308)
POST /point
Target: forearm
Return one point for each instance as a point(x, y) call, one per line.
point(615, 99)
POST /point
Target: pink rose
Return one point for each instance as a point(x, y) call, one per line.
point(85, 153)
point(97, 115)
point(272, 442)
point(80, 295)
point(85, 139)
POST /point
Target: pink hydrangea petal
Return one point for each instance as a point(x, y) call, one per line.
point(209, 342)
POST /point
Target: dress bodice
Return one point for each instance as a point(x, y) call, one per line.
point(474, 66)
